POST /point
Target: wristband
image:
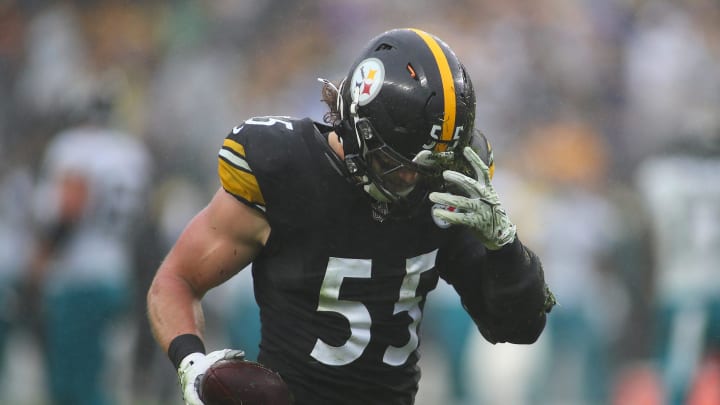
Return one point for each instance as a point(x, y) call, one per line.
point(183, 345)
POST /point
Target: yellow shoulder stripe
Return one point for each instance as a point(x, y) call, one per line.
point(235, 146)
point(235, 174)
point(240, 183)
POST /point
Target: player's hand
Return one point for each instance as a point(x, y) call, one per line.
point(480, 208)
point(194, 366)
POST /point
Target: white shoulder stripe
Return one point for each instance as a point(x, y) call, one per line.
point(235, 159)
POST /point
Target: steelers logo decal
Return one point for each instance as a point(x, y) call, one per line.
point(367, 80)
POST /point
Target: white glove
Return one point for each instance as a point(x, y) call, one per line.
point(193, 367)
point(481, 210)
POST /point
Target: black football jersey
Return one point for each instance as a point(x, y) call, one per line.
point(340, 294)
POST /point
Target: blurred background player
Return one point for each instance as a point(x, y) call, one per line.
point(682, 192)
point(91, 190)
point(568, 162)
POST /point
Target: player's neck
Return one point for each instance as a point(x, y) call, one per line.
point(336, 144)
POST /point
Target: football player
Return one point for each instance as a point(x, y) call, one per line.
point(348, 226)
point(91, 191)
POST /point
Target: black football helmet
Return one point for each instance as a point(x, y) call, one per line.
point(406, 104)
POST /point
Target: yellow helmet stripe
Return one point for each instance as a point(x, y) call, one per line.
point(448, 85)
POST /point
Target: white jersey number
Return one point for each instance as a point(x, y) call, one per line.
point(268, 122)
point(358, 315)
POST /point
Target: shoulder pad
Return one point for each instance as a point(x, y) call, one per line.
point(257, 136)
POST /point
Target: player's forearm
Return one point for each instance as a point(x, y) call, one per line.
point(504, 290)
point(515, 294)
point(173, 309)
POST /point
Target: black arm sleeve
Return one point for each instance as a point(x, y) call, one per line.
point(504, 291)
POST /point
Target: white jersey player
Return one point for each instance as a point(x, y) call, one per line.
point(113, 169)
point(91, 193)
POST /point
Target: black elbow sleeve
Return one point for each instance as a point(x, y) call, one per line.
point(514, 298)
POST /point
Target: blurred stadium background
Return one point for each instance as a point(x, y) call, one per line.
point(605, 120)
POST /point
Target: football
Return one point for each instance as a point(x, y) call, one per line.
point(235, 382)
